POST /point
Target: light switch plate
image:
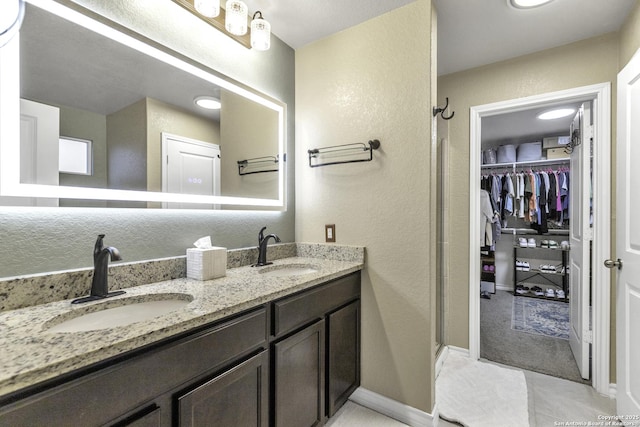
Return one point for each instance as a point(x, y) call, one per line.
point(330, 233)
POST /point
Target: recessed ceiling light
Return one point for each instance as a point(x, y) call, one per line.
point(207, 102)
point(528, 4)
point(557, 113)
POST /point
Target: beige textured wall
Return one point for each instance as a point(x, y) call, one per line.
point(583, 63)
point(86, 125)
point(630, 35)
point(248, 130)
point(373, 81)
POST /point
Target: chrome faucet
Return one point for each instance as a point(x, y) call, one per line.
point(100, 281)
point(262, 247)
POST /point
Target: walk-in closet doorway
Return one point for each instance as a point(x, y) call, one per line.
point(592, 340)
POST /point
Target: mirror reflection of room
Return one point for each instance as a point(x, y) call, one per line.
point(107, 113)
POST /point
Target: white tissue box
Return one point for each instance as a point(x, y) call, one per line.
point(206, 264)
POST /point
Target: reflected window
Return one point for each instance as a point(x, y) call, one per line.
point(76, 156)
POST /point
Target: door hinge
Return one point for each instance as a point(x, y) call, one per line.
point(588, 337)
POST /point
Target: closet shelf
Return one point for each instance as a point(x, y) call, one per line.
point(355, 149)
point(533, 163)
point(259, 165)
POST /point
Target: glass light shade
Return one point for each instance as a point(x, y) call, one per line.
point(208, 8)
point(260, 34)
point(236, 18)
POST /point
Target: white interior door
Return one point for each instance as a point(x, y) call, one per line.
point(39, 147)
point(579, 237)
point(190, 166)
point(628, 241)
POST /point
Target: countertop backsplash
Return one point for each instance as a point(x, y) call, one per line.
point(26, 291)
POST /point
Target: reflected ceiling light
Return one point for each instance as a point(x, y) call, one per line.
point(527, 4)
point(556, 113)
point(208, 8)
point(260, 32)
point(207, 102)
point(236, 20)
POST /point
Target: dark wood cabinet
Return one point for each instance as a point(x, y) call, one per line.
point(292, 362)
point(316, 332)
point(238, 397)
point(298, 376)
point(343, 355)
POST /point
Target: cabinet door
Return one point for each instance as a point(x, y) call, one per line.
point(343, 369)
point(299, 378)
point(238, 397)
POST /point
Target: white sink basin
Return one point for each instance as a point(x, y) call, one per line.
point(115, 313)
point(286, 270)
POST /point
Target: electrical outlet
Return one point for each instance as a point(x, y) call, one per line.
point(330, 233)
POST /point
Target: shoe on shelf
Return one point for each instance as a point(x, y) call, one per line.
point(522, 242)
point(522, 289)
point(518, 265)
point(537, 290)
point(525, 266)
point(544, 244)
point(550, 293)
point(560, 294)
point(532, 243)
point(565, 245)
point(553, 244)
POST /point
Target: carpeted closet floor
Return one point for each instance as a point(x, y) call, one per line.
point(538, 353)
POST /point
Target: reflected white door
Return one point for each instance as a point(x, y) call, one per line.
point(628, 241)
point(39, 147)
point(579, 237)
point(190, 166)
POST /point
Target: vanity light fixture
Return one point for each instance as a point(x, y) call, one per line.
point(236, 20)
point(260, 32)
point(208, 8)
point(207, 102)
point(232, 21)
point(527, 4)
point(556, 113)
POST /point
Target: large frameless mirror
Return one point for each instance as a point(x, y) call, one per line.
point(109, 119)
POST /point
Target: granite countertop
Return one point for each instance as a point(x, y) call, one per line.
point(31, 354)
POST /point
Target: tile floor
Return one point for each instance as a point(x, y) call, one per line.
point(551, 401)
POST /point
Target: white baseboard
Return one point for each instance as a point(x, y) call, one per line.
point(504, 288)
point(394, 409)
point(459, 350)
point(613, 390)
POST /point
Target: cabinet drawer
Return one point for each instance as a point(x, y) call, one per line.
point(107, 394)
point(295, 311)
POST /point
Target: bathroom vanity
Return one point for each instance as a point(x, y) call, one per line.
point(250, 349)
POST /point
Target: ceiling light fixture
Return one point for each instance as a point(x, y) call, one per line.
point(207, 102)
point(208, 8)
point(556, 113)
point(236, 20)
point(260, 32)
point(527, 4)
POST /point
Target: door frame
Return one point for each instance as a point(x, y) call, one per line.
point(600, 94)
